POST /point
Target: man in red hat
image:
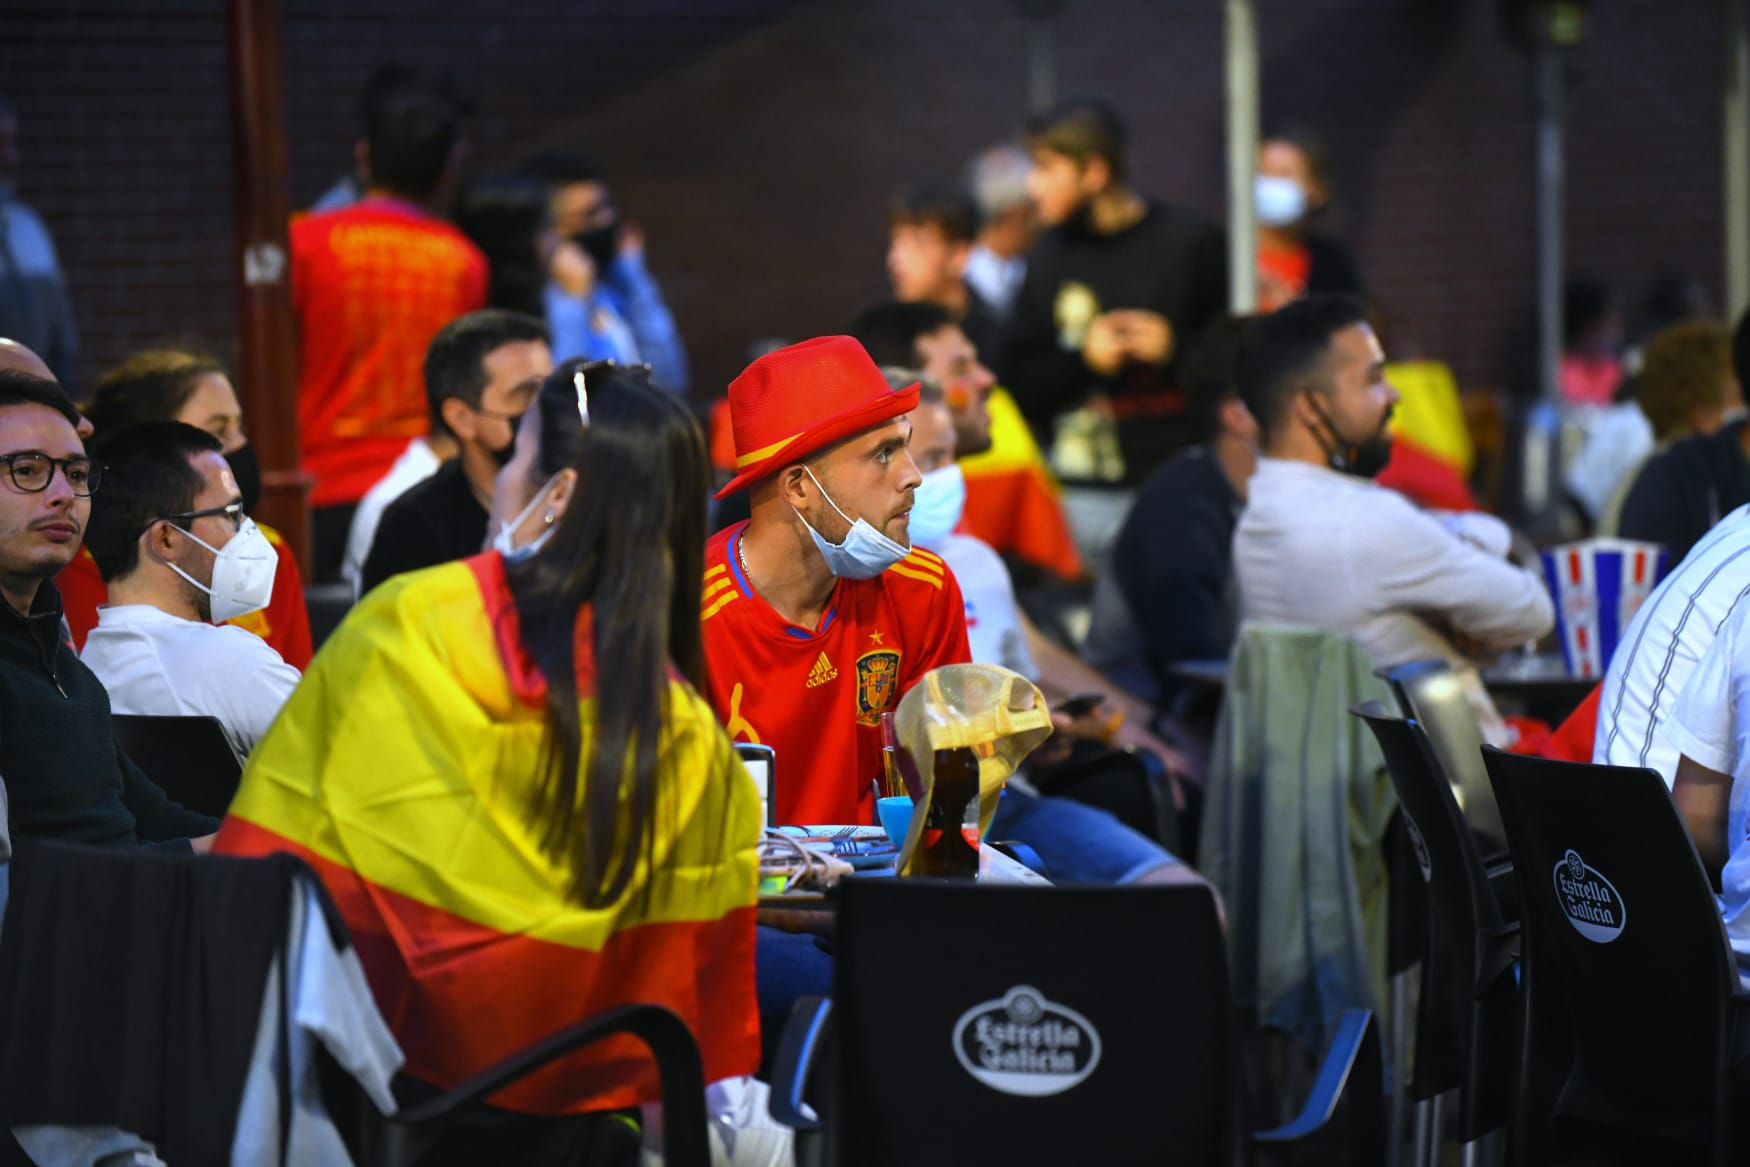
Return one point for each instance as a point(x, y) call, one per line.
point(817, 612)
point(818, 615)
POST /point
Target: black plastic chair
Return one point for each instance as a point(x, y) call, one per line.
point(1045, 1025)
point(189, 758)
point(1625, 942)
point(1465, 1028)
point(402, 1139)
point(327, 605)
point(1431, 693)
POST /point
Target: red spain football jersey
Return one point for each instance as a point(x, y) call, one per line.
point(816, 697)
point(372, 284)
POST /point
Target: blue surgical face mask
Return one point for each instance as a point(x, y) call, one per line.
point(936, 506)
point(1280, 202)
point(864, 554)
point(504, 542)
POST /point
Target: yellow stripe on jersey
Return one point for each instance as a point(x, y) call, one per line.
point(719, 604)
point(716, 586)
point(901, 569)
point(720, 569)
point(922, 558)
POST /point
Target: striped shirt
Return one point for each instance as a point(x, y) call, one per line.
point(1664, 641)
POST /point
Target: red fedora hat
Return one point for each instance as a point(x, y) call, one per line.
point(797, 400)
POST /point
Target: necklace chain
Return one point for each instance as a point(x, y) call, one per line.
point(741, 554)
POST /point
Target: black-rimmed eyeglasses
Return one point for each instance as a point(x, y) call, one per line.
point(32, 472)
point(231, 510)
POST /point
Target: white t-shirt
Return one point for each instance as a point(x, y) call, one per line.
point(993, 618)
point(415, 465)
point(1662, 644)
point(1711, 726)
point(161, 665)
point(1320, 549)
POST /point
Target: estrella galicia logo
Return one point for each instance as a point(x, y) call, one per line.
point(1590, 901)
point(1024, 1044)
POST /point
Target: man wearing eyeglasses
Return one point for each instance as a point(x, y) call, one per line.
point(176, 551)
point(64, 775)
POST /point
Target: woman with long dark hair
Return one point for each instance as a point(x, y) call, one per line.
point(504, 772)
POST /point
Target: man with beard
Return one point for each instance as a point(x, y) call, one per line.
point(481, 373)
point(177, 550)
point(1115, 289)
point(1320, 544)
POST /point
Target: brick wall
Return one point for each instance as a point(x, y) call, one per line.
point(757, 140)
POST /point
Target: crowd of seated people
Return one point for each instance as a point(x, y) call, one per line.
point(512, 764)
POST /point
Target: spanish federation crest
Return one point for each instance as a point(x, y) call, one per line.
point(877, 684)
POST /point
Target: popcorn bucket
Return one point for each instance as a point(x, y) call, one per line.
point(1598, 586)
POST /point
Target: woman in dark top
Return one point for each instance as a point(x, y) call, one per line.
point(1293, 187)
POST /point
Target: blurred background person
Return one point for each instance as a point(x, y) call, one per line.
point(1168, 592)
point(34, 309)
point(384, 82)
point(1007, 227)
point(371, 285)
point(931, 226)
point(1681, 492)
point(1292, 190)
point(1685, 384)
point(1592, 327)
point(1115, 287)
point(614, 285)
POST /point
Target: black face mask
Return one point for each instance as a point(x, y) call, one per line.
point(247, 471)
point(602, 244)
point(1363, 459)
point(503, 454)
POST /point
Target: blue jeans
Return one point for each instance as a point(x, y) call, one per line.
point(1078, 843)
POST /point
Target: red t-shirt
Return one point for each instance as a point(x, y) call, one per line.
point(816, 697)
point(372, 284)
point(284, 623)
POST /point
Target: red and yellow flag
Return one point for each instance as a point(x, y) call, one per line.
point(403, 769)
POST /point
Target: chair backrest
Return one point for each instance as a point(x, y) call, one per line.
point(980, 1024)
point(1430, 692)
point(1463, 907)
point(188, 757)
point(1617, 902)
point(1295, 808)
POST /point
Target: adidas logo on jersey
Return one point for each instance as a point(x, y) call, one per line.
point(822, 672)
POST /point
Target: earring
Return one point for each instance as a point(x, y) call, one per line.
point(548, 518)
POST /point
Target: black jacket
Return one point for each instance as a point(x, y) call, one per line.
point(436, 521)
point(65, 776)
point(1682, 492)
point(1171, 261)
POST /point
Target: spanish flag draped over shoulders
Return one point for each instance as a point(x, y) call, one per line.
point(403, 769)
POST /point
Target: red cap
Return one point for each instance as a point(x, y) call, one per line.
point(797, 400)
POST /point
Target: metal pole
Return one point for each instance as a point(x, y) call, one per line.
point(268, 352)
point(1735, 158)
point(1242, 154)
point(1041, 71)
point(1542, 449)
point(1547, 102)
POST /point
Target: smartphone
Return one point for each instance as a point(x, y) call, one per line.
point(761, 762)
point(1080, 704)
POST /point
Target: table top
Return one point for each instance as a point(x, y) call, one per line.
point(993, 867)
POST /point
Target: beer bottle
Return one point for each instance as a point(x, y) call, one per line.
point(944, 850)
